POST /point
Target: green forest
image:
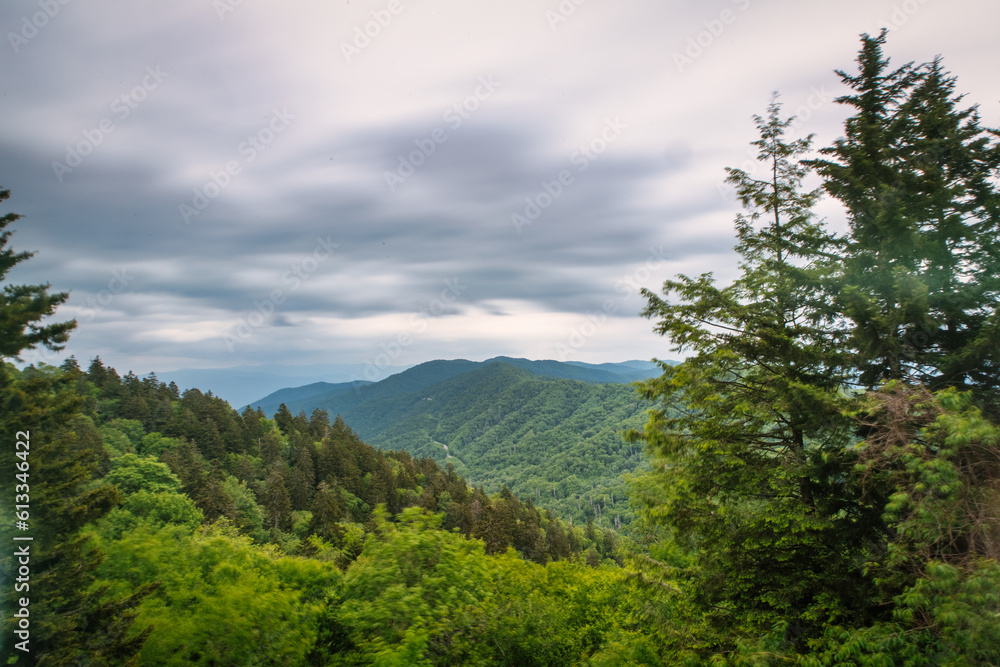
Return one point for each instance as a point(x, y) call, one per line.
point(819, 481)
point(556, 440)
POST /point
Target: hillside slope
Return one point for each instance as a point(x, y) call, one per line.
point(555, 439)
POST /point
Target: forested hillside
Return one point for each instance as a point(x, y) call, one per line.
point(185, 481)
point(335, 398)
point(822, 484)
point(557, 441)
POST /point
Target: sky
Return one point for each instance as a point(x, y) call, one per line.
point(220, 183)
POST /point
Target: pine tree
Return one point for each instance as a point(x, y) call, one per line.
point(277, 505)
point(71, 620)
point(751, 465)
point(303, 480)
point(284, 419)
point(22, 307)
point(269, 448)
point(319, 424)
point(917, 175)
point(327, 510)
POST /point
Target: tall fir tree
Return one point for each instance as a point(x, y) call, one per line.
point(748, 450)
point(921, 272)
point(69, 619)
point(22, 307)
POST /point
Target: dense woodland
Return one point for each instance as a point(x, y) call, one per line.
point(822, 487)
point(556, 440)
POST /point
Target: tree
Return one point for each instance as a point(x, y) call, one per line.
point(303, 480)
point(327, 510)
point(917, 175)
point(70, 618)
point(277, 505)
point(284, 419)
point(223, 601)
point(319, 424)
point(752, 467)
point(22, 307)
point(131, 473)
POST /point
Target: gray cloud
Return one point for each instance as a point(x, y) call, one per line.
point(486, 114)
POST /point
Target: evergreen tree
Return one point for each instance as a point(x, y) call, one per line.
point(277, 505)
point(270, 448)
point(303, 480)
point(327, 510)
point(918, 177)
point(751, 467)
point(284, 419)
point(71, 620)
point(22, 307)
point(319, 424)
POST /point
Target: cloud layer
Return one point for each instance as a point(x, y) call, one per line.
point(234, 182)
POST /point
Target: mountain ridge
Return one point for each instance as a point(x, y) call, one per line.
point(427, 373)
point(547, 430)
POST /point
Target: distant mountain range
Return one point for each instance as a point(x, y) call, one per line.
point(336, 397)
point(547, 429)
point(240, 385)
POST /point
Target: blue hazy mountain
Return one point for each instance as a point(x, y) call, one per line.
point(241, 384)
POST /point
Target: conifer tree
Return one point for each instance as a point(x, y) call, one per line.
point(277, 505)
point(284, 419)
point(327, 510)
point(303, 479)
point(71, 620)
point(918, 177)
point(22, 307)
point(751, 468)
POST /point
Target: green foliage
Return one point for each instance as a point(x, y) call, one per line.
point(249, 517)
point(752, 467)
point(155, 509)
point(410, 587)
point(71, 620)
point(132, 473)
point(420, 595)
point(811, 523)
point(22, 307)
point(917, 175)
point(222, 601)
point(154, 444)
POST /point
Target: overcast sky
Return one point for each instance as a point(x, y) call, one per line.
point(227, 182)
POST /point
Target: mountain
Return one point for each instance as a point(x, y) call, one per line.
point(582, 371)
point(431, 372)
point(546, 429)
point(304, 394)
point(241, 384)
point(634, 370)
